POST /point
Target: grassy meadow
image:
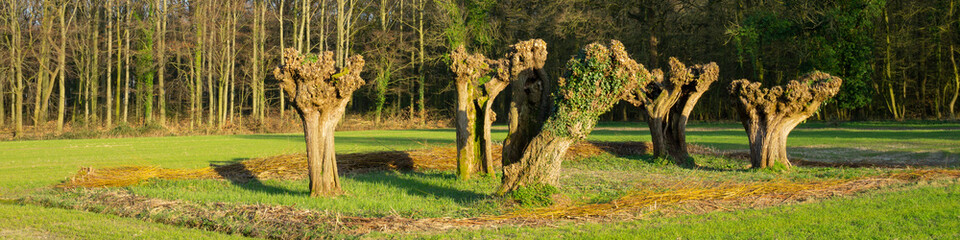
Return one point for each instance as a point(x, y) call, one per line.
point(926, 209)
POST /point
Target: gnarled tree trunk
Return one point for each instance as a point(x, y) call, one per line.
point(596, 79)
point(479, 81)
point(668, 102)
point(768, 115)
point(319, 91)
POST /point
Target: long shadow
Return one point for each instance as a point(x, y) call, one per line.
point(419, 188)
point(372, 168)
point(240, 176)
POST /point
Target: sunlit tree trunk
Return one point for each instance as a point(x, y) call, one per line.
point(127, 56)
point(668, 101)
point(610, 73)
point(319, 91)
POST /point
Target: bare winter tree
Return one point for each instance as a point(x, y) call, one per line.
point(769, 114)
point(668, 101)
point(320, 92)
point(593, 81)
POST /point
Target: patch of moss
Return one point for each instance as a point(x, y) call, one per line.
point(537, 195)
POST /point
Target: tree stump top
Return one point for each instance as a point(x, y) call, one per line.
point(314, 82)
point(798, 96)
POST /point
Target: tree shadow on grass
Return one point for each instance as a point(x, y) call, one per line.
point(409, 181)
point(240, 176)
point(394, 168)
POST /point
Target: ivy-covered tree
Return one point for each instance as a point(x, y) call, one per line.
point(668, 101)
point(592, 82)
point(319, 91)
point(769, 114)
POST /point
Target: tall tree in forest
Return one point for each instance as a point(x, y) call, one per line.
point(44, 73)
point(128, 10)
point(320, 92)
point(668, 101)
point(592, 82)
point(769, 114)
point(12, 16)
point(146, 70)
point(162, 12)
point(62, 63)
point(109, 91)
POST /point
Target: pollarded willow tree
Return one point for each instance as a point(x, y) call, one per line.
point(769, 114)
point(668, 101)
point(593, 81)
point(319, 91)
point(479, 82)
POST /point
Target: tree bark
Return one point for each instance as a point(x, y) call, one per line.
point(768, 115)
point(109, 91)
point(162, 61)
point(538, 160)
point(319, 91)
point(466, 131)
point(539, 163)
point(17, 56)
point(668, 102)
point(62, 66)
point(956, 85)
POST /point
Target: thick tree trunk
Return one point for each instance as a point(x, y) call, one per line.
point(658, 135)
point(539, 164)
point(769, 114)
point(321, 155)
point(668, 101)
point(487, 164)
point(529, 106)
point(466, 132)
point(319, 91)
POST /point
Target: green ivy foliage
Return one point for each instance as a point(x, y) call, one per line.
point(592, 82)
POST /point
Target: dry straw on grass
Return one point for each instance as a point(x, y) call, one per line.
point(289, 222)
point(294, 166)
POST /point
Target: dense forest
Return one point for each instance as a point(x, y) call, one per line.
point(208, 64)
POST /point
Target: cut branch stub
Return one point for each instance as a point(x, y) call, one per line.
point(668, 101)
point(313, 82)
point(319, 91)
point(769, 114)
point(593, 81)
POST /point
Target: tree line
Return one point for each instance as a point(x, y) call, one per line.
point(205, 64)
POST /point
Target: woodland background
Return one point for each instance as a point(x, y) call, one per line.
point(201, 64)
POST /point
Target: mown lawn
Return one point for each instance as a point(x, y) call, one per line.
point(30, 167)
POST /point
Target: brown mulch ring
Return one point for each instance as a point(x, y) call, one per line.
point(285, 222)
point(294, 166)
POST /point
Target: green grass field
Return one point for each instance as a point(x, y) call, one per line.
point(915, 211)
